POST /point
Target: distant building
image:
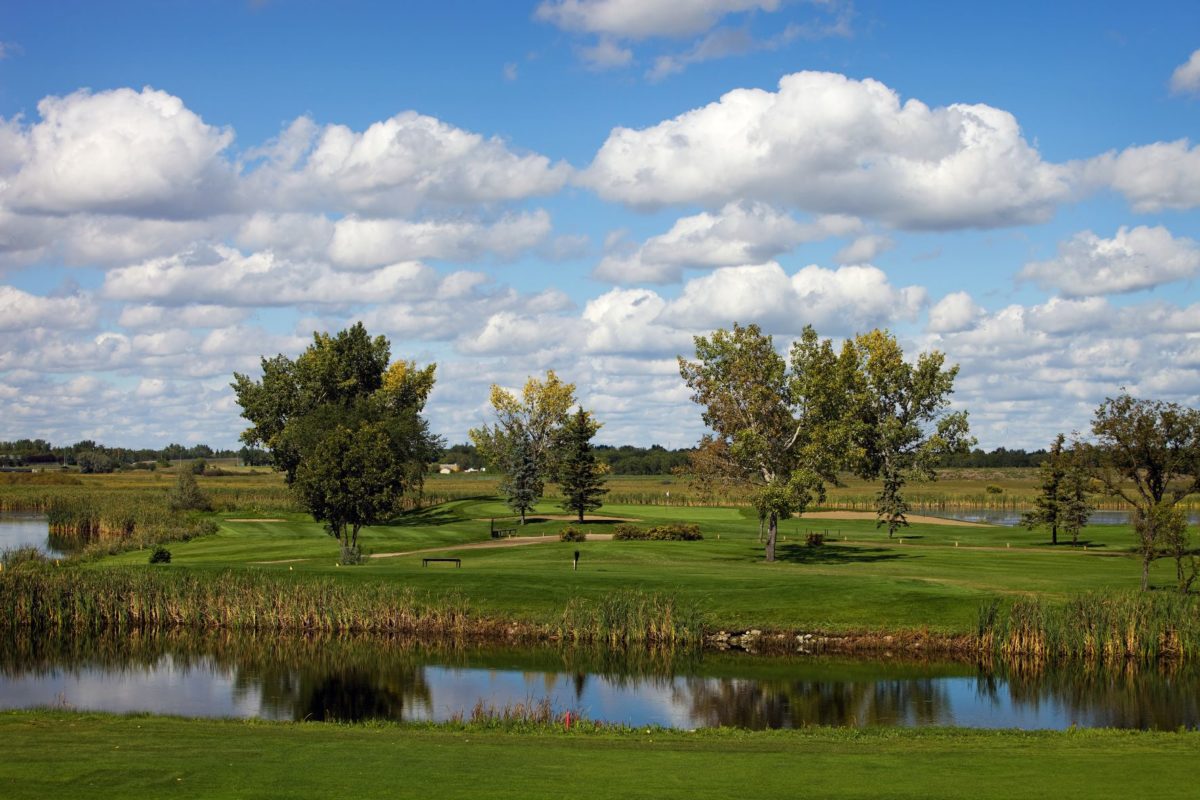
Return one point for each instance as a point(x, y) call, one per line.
point(446, 469)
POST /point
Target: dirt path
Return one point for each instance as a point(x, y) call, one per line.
point(921, 518)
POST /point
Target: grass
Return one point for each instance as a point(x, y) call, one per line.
point(55, 754)
point(930, 578)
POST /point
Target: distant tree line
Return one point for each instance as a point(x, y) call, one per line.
point(91, 456)
point(1000, 457)
point(623, 460)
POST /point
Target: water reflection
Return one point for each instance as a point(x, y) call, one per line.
point(351, 679)
point(1012, 518)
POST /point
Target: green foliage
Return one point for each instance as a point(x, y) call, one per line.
point(814, 539)
point(671, 532)
point(1064, 501)
point(187, 496)
point(778, 428)
point(572, 534)
point(344, 427)
point(899, 421)
point(522, 485)
point(161, 555)
point(1147, 452)
point(580, 480)
point(93, 462)
point(21, 557)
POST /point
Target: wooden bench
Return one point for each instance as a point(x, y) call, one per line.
point(456, 561)
point(500, 533)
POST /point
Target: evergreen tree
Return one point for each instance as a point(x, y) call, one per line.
point(579, 474)
point(522, 484)
point(1063, 501)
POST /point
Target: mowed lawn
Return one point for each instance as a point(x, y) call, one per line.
point(59, 755)
point(931, 577)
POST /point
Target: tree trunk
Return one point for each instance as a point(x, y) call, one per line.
point(522, 516)
point(1054, 534)
point(581, 516)
point(1145, 573)
point(772, 532)
point(354, 538)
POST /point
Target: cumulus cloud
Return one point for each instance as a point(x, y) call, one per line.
point(864, 249)
point(739, 233)
point(20, 310)
point(836, 302)
point(364, 243)
point(606, 54)
point(1186, 77)
point(141, 154)
point(640, 19)
point(954, 312)
point(1152, 177)
point(396, 166)
point(1135, 258)
point(826, 143)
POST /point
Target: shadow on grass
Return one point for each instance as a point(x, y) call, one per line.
point(425, 517)
point(832, 554)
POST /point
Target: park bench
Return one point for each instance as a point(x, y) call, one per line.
point(500, 533)
point(456, 561)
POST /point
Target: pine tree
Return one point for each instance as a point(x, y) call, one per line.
point(1064, 501)
point(579, 474)
point(522, 484)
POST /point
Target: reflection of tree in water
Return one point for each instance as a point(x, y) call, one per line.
point(791, 704)
point(347, 692)
point(1161, 696)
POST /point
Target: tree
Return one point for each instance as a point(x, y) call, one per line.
point(580, 476)
point(344, 427)
point(901, 427)
point(186, 496)
point(522, 484)
point(1147, 453)
point(531, 423)
point(1064, 499)
point(779, 431)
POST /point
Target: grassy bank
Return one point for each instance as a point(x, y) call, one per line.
point(93, 756)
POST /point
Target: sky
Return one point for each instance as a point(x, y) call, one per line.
point(584, 186)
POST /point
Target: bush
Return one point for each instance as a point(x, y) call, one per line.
point(629, 533)
point(993, 489)
point(161, 555)
point(675, 532)
point(352, 556)
point(814, 539)
point(199, 466)
point(572, 534)
point(186, 496)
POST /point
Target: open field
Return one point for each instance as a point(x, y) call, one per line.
point(930, 577)
point(53, 754)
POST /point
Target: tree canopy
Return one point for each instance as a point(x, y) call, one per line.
point(579, 474)
point(343, 426)
point(776, 426)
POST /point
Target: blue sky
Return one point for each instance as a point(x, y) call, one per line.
point(583, 185)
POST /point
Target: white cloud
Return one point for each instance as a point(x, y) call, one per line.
point(189, 316)
point(864, 249)
point(829, 144)
point(141, 154)
point(1186, 77)
point(606, 54)
point(954, 312)
point(640, 19)
point(1134, 259)
point(835, 302)
point(20, 310)
point(740, 233)
point(1152, 177)
point(362, 243)
point(396, 166)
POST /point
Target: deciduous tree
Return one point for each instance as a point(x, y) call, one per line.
point(778, 428)
point(344, 427)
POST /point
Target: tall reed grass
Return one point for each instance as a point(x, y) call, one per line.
point(1096, 627)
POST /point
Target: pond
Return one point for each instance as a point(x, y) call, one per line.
point(26, 530)
point(360, 679)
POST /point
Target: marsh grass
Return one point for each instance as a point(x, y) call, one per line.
point(1139, 626)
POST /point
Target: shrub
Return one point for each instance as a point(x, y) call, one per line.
point(161, 555)
point(199, 466)
point(186, 496)
point(675, 532)
point(993, 489)
point(814, 539)
point(628, 533)
point(572, 534)
point(352, 556)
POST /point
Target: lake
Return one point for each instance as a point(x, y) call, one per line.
point(351, 679)
point(1012, 518)
point(25, 530)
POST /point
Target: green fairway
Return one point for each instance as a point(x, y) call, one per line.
point(929, 577)
point(54, 754)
